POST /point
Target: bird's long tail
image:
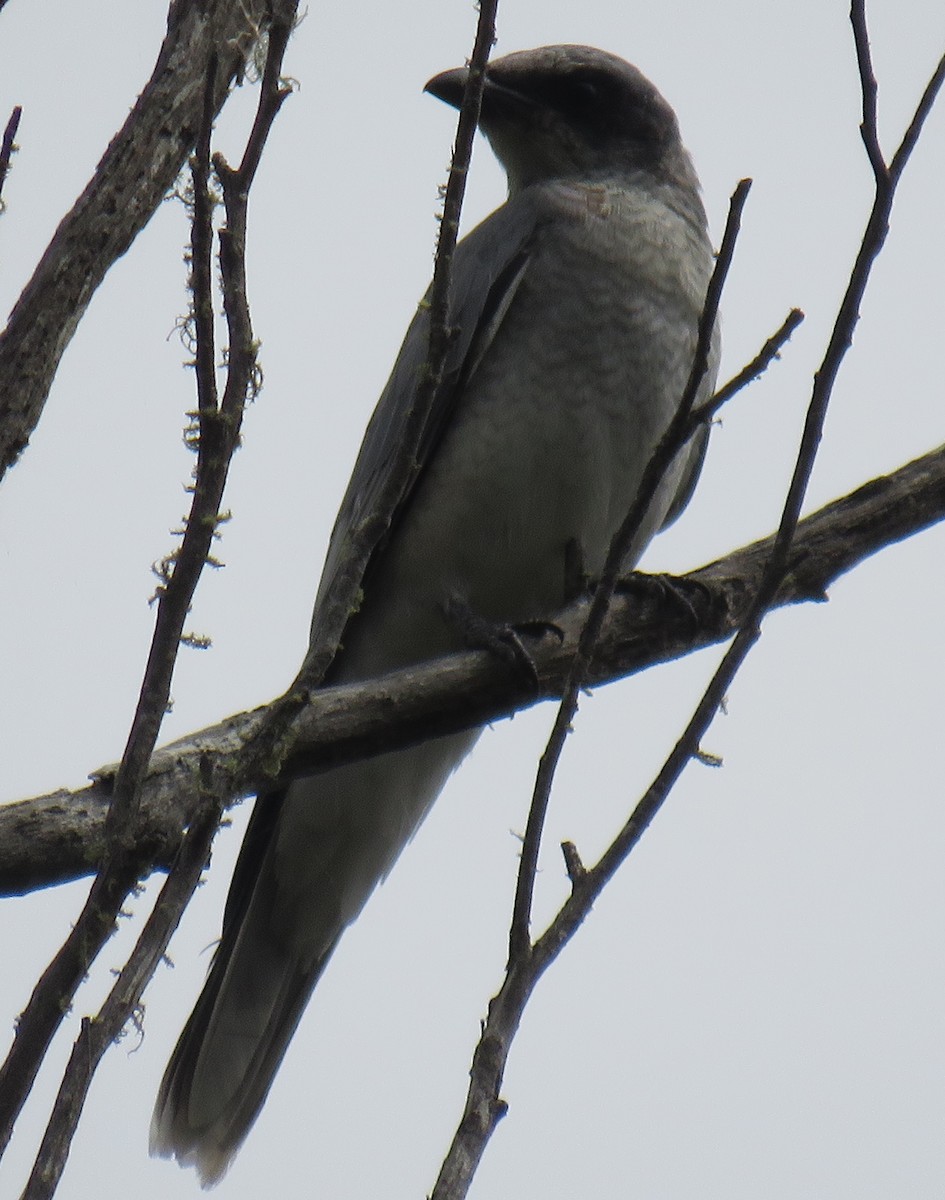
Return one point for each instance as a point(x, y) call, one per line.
point(311, 857)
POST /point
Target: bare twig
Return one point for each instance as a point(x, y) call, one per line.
point(676, 436)
point(750, 371)
point(133, 177)
point(8, 144)
point(201, 273)
point(484, 1108)
point(121, 864)
point(923, 108)
point(869, 91)
point(100, 1032)
point(440, 333)
point(528, 961)
point(402, 473)
point(182, 572)
point(340, 600)
point(219, 427)
point(778, 565)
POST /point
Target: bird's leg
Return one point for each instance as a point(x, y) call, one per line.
point(577, 582)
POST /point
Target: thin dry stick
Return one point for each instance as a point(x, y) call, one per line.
point(124, 863)
point(751, 370)
point(675, 437)
point(135, 172)
point(340, 600)
point(403, 472)
point(591, 881)
point(483, 1105)
point(440, 333)
point(484, 1109)
point(219, 427)
point(8, 144)
point(54, 992)
point(590, 885)
point(100, 1032)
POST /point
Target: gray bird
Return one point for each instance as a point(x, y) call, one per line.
point(576, 304)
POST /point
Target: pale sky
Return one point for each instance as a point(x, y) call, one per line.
point(755, 1006)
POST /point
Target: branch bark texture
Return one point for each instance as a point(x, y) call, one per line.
point(60, 836)
point(135, 173)
point(122, 863)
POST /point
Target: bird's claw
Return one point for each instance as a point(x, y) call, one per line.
point(669, 591)
point(500, 639)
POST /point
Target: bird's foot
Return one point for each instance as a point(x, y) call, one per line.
point(679, 595)
point(502, 640)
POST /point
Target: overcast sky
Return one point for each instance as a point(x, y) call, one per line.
point(755, 1007)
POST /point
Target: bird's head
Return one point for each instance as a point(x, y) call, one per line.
point(562, 112)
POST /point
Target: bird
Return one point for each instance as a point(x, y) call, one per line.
point(575, 308)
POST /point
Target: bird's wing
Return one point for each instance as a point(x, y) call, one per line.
point(488, 267)
point(700, 439)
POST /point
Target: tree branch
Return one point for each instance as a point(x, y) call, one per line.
point(136, 172)
point(363, 537)
point(8, 144)
point(680, 430)
point(527, 960)
point(123, 861)
point(97, 1034)
point(53, 838)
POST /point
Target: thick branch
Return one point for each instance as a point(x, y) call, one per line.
point(136, 172)
point(52, 838)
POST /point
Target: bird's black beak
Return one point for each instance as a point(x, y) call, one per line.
point(498, 101)
point(449, 86)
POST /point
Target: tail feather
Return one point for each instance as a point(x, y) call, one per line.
point(225, 1061)
point(310, 859)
